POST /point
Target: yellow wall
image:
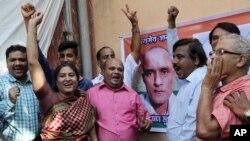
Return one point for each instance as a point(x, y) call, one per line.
point(110, 22)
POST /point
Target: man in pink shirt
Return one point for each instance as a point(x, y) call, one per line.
point(120, 112)
point(230, 64)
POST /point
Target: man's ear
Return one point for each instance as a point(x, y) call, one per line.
point(99, 64)
point(58, 56)
point(102, 70)
point(196, 60)
point(242, 61)
point(78, 60)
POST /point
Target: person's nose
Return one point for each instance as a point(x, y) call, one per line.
point(214, 43)
point(67, 77)
point(157, 79)
point(17, 62)
point(174, 61)
point(65, 59)
point(116, 71)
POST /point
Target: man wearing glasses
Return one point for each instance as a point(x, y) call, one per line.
point(222, 51)
point(229, 65)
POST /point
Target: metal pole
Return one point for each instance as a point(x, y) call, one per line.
point(84, 38)
point(68, 21)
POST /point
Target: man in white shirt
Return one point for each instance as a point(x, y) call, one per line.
point(101, 56)
point(189, 62)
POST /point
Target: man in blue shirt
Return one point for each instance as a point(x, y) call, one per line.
point(18, 103)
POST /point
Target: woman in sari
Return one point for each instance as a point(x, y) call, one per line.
point(66, 113)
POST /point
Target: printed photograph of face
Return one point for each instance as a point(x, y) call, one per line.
point(158, 76)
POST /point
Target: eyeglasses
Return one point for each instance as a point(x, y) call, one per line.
point(223, 51)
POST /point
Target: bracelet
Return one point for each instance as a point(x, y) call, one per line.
point(135, 30)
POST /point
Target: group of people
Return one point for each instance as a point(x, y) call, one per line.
point(60, 104)
point(213, 93)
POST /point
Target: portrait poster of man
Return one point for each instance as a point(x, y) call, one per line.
point(154, 77)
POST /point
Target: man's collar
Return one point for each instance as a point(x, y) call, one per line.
point(242, 81)
point(13, 79)
point(193, 75)
point(123, 87)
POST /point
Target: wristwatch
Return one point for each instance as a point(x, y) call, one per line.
point(247, 115)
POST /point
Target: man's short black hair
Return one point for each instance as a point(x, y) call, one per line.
point(68, 44)
point(14, 48)
point(98, 54)
point(195, 49)
point(229, 27)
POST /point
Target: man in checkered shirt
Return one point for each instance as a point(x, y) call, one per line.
point(18, 103)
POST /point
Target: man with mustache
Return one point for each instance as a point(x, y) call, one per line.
point(189, 60)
